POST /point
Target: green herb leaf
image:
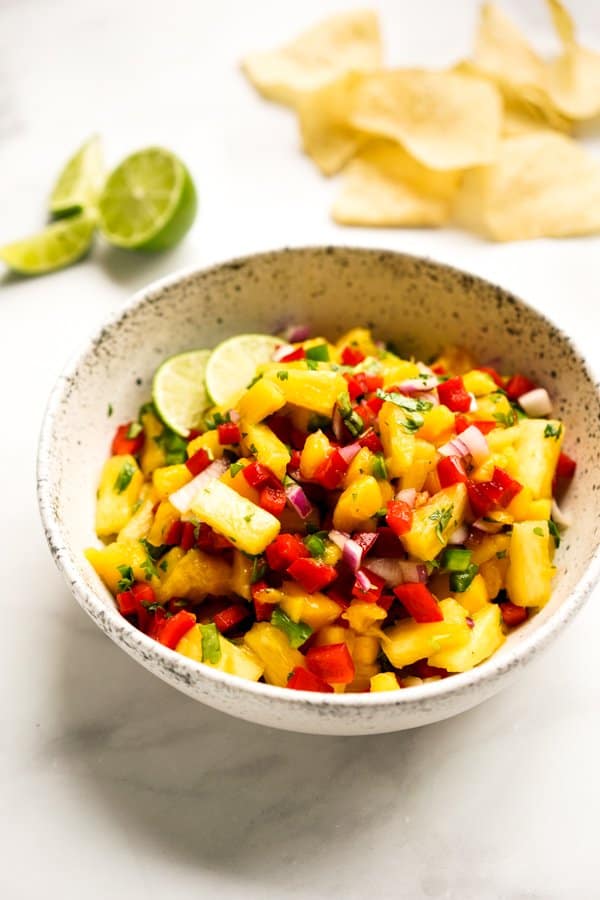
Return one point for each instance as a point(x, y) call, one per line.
point(254, 380)
point(126, 581)
point(213, 421)
point(235, 467)
point(164, 565)
point(409, 404)
point(109, 410)
point(283, 375)
point(153, 551)
point(134, 429)
point(506, 419)
point(259, 569)
point(320, 353)
point(539, 531)
point(123, 479)
point(146, 408)
point(552, 431)
point(501, 554)
point(553, 529)
point(312, 364)
point(149, 568)
point(211, 645)
point(173, 446)
point(442, 519)
point(379, 467)
point(297, 632)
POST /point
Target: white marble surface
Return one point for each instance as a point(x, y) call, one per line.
point(112, 784)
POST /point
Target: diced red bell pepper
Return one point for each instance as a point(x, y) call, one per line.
point(173, 535)
point(173, 629)
point(439, 369)
point(419, 602)
point(152, 622)
point(451, 470)
point(284, 550)
point(127, 603)
point(302, 679)
point(188, 537)
point(121, 444)
point(387, 543)
point(352, 356)
point(177, 603)
point(498, 379)
point(294, 463)
point(364, 410)
point(272, 499)
point(371, 440)
point(386, 600)
point(256, 474)
point(454, 395)
point(293, 355)
point(362, 383)
point(483, 496)
point(281, 427)
point(512, 614)
point(565, 467)
point(143, 593)
point(229, 433)
point(312, 574)
point(198, 462)
point(375, 404)
point(484, 426)
point(422, 669)
point(209, 540)
point(194, 433)
point(230, 617)
point(330, 472)
point(339, 597)
point(399, 516)
point(510, 487)
point(332, 663)
point(518, 385)
point(373, 594)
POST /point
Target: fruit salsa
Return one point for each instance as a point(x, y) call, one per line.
point(343, 520)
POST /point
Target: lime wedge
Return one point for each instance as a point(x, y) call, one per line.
point(232, 364)
point(178, 390)
point(80, 182)
point(58, 245)
point(149, 201)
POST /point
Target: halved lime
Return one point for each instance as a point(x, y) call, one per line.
point(58, 245)
point(178, 390)
point(232, 364)
point(79, 184)
point(148, 202)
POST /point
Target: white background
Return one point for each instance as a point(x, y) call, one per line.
point(111, 783)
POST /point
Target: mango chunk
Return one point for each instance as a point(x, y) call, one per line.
point(260, 441)
point(530, 571)
point(106, 561)
point(316, 390)
point(263, 399)
point(120, 485)
point(316, 610)
point(359, 501)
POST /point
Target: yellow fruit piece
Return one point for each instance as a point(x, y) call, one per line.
point(246, 525)
point(530, 572)
point(438, 426)
point(495, 408)
point(500, 440)
point(241, 575)
point(171, 558)
point(493, 573)
point(408, 641)
point(362, 464)
point(384, 681)
point(398, 441)
point(120, 485)
point(240, 661)
point(424, 462)
point(273, 649)
point(139, 524)
point(316, 610)
point(105, 561)
point(488, 547)
point(394, 370)
point(208, 441)
point(261, 442)
point(195, 576)
point(362, 677)
point(152, 454)
point(479, 383)
point(484, 639)
point(358, 338)
point(315, 451)
point(268, 595)
point(168, 479)
point(387, 493)
point(261, 400)
point(455, 360)
point(366, 650)
point(475, 596)
point(164, 517)
point(363, 616)
point(359, 501)
point(332, 554)
point(537, 455)
point(434, 522)
point(316, 390)
point(237, 481)
point(335, 634)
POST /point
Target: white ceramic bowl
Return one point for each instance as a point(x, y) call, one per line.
point(418, 304)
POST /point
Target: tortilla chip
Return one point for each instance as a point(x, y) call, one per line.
point(542, 185)
point(446, 120)
point(385, 186)
point(323, 117)
point(341, 43)
point(573, 80)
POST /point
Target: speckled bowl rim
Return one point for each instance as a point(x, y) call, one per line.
point(138, 644)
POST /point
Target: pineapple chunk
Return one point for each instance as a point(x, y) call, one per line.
point(140, 523)
point(398, 442)
point(106, 561)
point(240, 661)
point(261, 400)
point(384, 681)
point(493, 573)
point(366, 650)
point(168, 479)
point(484, 639)
point(395, 370)
point(456, 360)
point(315, 451)
point(317, 610)
point(362, 616)
point(196, 575)
point(266, 446)
point(171, 558)
point(489, 546)
point(315, 390)
point(408, 641)
point(152, 455)
point(208, 441)
point(246, 525)
point(439, 424)
point(362, 464)
point(360, 339)
point(434, 522)
point(359, 501)
point(479, 383)
point(495, 408)
point(530, 569)
point(524, 507)
point(241, 575)
point(423, 463)
point(120, 485)
point(164, 517)
point(537, 455)
point(273, 649)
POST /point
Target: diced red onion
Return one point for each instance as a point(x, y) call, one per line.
point(366, 539)
point(459, 536)
point(339, 538)
point(408, 495)
point(419, 385)
point(337, 424)
point(353, 550)
point(413, 571)
point(559, 517)
point(363, 580)
point(298, 500)
point(488, 527)
point(536, 403)
point(470, 622)
point(431, 397)
point(184, 497)
point(388, 569)
point(349, 451)
point(352, 554)
point(234, 415)
point(282, 351)
point(296, 333)
point(425, 370)
point(470, 442)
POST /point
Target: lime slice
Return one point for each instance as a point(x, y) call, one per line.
point(80, 182)
point(148, 202)
point(56, 246)
point(232, 364)
point(178, 390)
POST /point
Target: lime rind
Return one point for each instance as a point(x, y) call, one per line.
point(57, 246)
point(178, 391)
point(79, 184)
point(232, 364)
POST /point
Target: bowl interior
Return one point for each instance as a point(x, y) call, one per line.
point(417, 304)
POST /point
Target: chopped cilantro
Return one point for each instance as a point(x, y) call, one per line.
point(297, 632)
point(254, 380)
point(379, 467)
point(126, 580)
point(539, 531)
point(312, 364)
point(213, 421)
point(410, 404)
point(134, 429)
point(253, 449)
point(149, 568)
point(109, 410)
point(552, 528)
point(442, 519)
point(283, 375)
point(164, 565)
point(123, 479)
point(320, 353)
point(173, 446)
point(552, 431)
point(211, 645)
point(501, 554)
point(152, 607)
point(249, 516)
point(259, 569)
point(506, 419)
point(146, 408)
point(234, 468)
point(153, 551)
